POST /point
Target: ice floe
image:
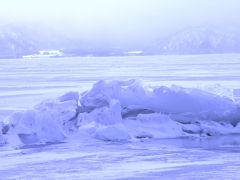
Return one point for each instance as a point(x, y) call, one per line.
point(124, 111)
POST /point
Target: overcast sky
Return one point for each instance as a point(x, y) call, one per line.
point(123, 19)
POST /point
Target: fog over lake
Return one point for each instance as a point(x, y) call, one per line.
point(121, 22)
point(119, 89)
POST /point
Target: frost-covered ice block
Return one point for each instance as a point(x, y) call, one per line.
point(122, 111)
point(106, 115)
point(104, 123)
point(169, 112)
point(49, 121)
point(126, 92)
point(173, 100)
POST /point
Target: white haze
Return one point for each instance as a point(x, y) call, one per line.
point(121, 20)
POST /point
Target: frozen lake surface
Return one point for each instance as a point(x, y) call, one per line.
point(25, 82)
point(212, 158)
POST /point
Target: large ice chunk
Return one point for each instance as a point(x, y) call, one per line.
point(104, 123)
point(49, 121)
point(127, 92)
point(125, 110)
point(173, 100)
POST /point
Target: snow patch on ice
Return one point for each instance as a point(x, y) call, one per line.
point(154, 125)
point(112, 133)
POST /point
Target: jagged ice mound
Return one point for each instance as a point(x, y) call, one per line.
point(123, 111)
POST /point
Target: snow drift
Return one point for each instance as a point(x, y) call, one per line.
point(124, 110)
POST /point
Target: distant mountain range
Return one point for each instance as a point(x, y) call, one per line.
point(14, 43)
point(18, 41)
point(200, 40)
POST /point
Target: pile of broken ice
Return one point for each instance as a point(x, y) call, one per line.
point(124, 111)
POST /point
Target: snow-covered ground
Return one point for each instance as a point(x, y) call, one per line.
point(116, 129)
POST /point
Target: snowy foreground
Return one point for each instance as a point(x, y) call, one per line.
point(124, 111)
